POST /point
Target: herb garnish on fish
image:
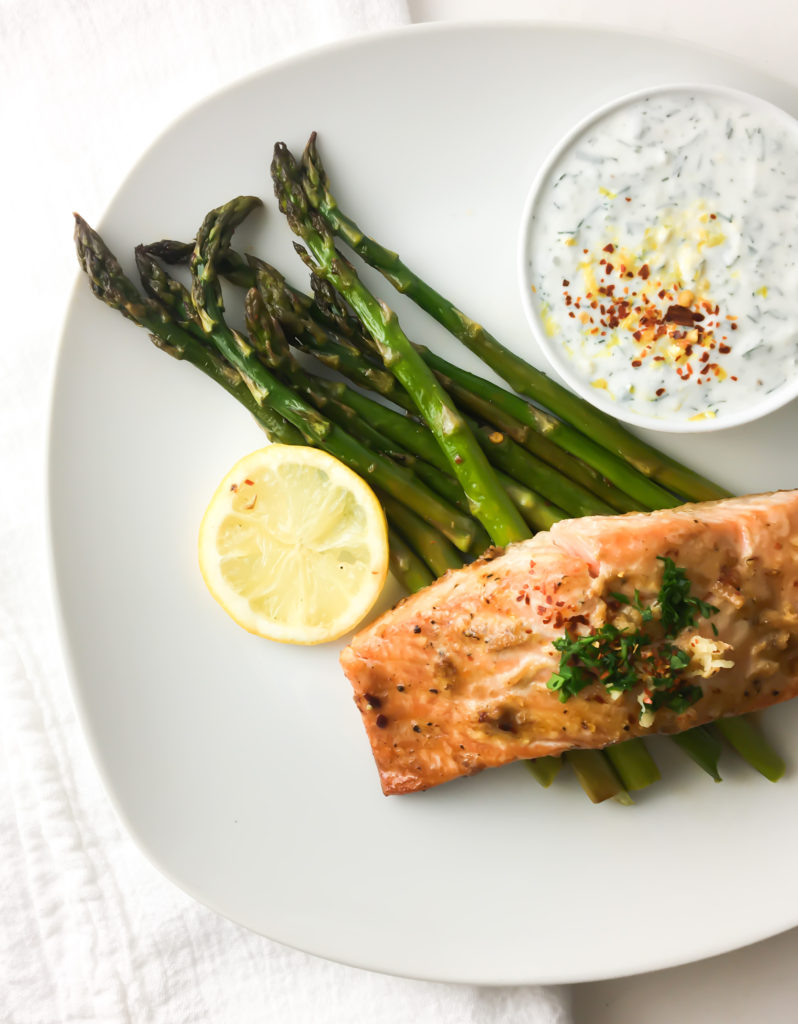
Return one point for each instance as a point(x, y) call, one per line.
point(679, 608)
point(623, 659)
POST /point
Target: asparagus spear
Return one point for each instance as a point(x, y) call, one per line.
point(412, 437)
point(545, 769)
point(536, 441)
point(517, 464)
point(438, 553)
point(332, 399)
point(522, 377)
point(570, 469)
point(701, 746)
point(486, 496)
point(743, 734)
point(405, 564)
point(541, 446)
point(557, 494)
point(633, 763)
point(643, 490)
point(516, 461)
point(110, 284)
point(597, 775)
point(321, 334)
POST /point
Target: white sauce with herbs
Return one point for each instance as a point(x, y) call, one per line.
point(663, 253)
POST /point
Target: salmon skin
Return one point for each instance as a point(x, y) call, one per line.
point(454, 679)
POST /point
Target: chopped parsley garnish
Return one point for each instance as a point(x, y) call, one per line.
point(647, 614)
point(627, 659)
point(679, 609)
point(606, 655)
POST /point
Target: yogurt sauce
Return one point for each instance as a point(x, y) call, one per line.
point(663, 254)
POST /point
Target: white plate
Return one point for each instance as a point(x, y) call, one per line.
point(240, 766)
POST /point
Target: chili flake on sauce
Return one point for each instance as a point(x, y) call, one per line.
point(669, 326)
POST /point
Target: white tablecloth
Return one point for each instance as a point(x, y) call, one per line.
point(89, 931)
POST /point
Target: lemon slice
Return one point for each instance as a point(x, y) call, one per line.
point(294, 545)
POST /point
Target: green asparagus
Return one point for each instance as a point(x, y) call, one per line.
point(744, 735)
point(702, 746)
point(487, 498)
point(522, 377)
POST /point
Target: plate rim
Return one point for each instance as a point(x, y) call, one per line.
point(56, 584)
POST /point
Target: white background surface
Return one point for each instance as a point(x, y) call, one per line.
point(59, 115)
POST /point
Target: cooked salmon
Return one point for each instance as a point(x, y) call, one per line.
point(465, 675)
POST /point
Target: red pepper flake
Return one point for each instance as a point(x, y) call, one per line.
point(734, 327)
point(732, 378)
point(724, 349)
point(628, 199)
point(250, 482)
point(659, 392)
point(682, 315)
point(609, 247)
point(233, 488)
point(636, 363)
point(644, 272)
point(565, 283)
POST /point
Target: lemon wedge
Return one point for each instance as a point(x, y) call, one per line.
point(294, 545)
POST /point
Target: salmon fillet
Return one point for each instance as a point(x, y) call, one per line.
point(454, 679)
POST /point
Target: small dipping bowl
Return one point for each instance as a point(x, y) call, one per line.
point(658, 258)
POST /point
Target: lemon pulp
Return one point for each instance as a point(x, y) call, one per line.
point(294, 545)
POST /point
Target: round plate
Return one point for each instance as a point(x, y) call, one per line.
point(240, 766)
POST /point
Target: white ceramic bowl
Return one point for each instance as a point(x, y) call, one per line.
point(742, 411)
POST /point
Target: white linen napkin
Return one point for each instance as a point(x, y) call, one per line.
point(89, 930)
